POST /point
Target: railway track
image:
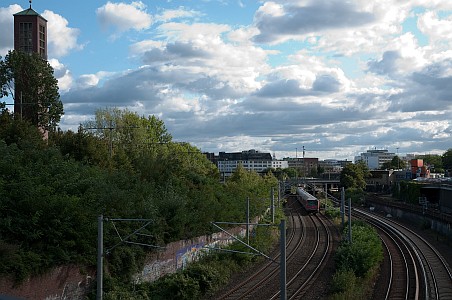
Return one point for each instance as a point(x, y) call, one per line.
point(416, 270)
point(308, 245)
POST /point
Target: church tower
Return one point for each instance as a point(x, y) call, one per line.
point(30, 36)
point(30, 32)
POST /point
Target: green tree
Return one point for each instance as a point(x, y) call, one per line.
point(33, 77)
point(447, 160)
point(434, 161)
point(354, 176)
point(291, 172)
point(395, 163)
point(126, 131)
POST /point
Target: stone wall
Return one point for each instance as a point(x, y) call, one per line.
point(62, 283)
point(70, 283)
point(178, 255)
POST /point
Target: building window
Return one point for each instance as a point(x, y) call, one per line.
point(25, 37)
point(42, 41)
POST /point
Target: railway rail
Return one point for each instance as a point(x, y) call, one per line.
point(308, 245)
point(416, 269)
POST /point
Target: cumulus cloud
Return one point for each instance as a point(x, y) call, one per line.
point(437, 29)
point(278, 22)
point(61, 38)
point(123, 17)
point(386, 65)
point(200, 61)
point(7, 27)
point(62, 74)
point(337, 77)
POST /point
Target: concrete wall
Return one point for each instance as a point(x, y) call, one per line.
point(440, 226)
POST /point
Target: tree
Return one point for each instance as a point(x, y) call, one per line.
point(353, 176)
point(434, 162)
point(395, 163)
point(447, 160)
point(33, 77)
point(128, 131)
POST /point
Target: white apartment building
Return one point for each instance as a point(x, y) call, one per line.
point(374, 159)
point(227, 167)
point(251, 160)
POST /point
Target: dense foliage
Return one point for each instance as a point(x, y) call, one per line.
point(203, 279)
point(395, 163)
point(447, 161)
point(28, 79)
point(354, 176)
point(356, 262)
point(407, 191)
point(52, 194)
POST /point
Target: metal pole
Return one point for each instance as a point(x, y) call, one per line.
point(248, 220)
point(350, 220)
point(100, 254)
point(283, 260)
point(343, 205)
point(273, 205)
point(111, 139)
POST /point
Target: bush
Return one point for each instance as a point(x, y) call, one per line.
point(342, 281)
point(364, 253)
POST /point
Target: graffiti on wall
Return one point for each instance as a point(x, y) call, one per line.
point(179, 254)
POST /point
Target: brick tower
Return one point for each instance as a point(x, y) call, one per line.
point(30, 32)
point(30, 36)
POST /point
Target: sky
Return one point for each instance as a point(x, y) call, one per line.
point(334, 77)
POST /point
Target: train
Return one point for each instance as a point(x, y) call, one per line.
point(310, 203)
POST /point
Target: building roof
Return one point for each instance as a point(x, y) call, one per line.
point(29, 12)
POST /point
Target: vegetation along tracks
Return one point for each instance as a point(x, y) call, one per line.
point(428, 276)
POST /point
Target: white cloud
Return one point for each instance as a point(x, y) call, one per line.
point(62, 74)
point(236, 94)
point(437, 29)
point(7, 27)
point(171, 14)
point(61, 38)
point(124, 16)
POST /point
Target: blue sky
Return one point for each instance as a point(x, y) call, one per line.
point(337, 77)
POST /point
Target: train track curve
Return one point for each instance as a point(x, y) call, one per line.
point(416, 269)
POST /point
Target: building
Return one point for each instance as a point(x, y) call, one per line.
point(418, 169)
point(374, 159)
point(305, 166)
point(30, 36)
point(251, 160)
point(30, 32)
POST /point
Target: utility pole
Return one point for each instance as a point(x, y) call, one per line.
point(343, 205)
point(248, 220)
point(283, 277)
point(350, 220)
point(100, 257)
point(123, 240)
point(272, 199)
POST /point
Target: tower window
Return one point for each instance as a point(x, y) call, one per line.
point(25, 37)
point(42, 41)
